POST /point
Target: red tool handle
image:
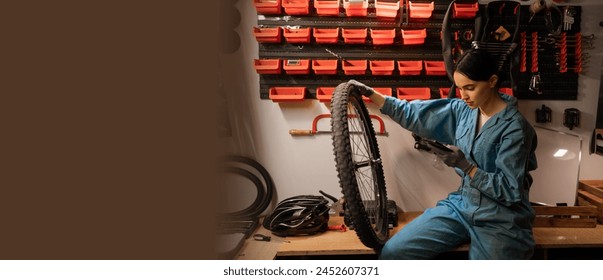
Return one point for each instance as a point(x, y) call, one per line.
point(322, 116)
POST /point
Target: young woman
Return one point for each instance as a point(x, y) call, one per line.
point(492, 149)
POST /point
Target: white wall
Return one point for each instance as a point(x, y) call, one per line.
point(305, 165)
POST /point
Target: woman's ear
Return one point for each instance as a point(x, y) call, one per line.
point(493, 81)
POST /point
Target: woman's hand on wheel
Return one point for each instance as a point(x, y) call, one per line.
point(362, 88)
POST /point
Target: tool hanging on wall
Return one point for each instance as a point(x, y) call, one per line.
point(314, 130)
point(571, 118)
point(543, 115)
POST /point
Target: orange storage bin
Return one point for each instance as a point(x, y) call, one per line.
point(435, 68)
point(325, 66)
point(354, 67)
point(384, 91)
point(409, 94)
point(324, 94)
point(326, 35)
point(420, 10)
point(410, 67)
point(414, 37)
point(267, 7)
point(267, 34)
point(382, 67)
point(287, 94)
point(465, 10)
point(444, 92)
point(267, 66)
point(387, 9)
point(296, 7)
point(327, 7)
point(356, 9)
point(297, 66)
point(354, 36)
point(297, 35)
point(383, 36)
point(507, 91)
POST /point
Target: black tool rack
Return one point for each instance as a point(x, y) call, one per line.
point(554, 85)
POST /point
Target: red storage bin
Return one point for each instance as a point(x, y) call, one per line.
point(324, 94)
point(435, 68)
point(414, 37)
point(354, 36)
point(410, 67)
point(325, 66)
point(507, 91)
point(383, 36)
point(420, 10)
point(444, 92)
point(465, 10)
point(296, 7)
point(410, 94)
point(297, 66)
point(297, 35)
point(267, 66)
point(267, 34)
point(326, 35)
point(327, 7)
point(355, 9)
point(354, 67)
point(267, 7)
point(384, 91)
point(382, 67)
point(287, 94)
point(387, 9)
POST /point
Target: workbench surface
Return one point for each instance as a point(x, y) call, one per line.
point(347, 243)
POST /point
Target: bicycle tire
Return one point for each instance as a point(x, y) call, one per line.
point(364, 192)
point(254, 208)
point(252, 165)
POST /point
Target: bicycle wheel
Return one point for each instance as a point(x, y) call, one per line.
point(359, 166)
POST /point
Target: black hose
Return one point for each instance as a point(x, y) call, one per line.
point(252, 209)
point(268, 183)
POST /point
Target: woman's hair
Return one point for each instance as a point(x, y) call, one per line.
point(477, 65)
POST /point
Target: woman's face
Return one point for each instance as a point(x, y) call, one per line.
point(474, 93)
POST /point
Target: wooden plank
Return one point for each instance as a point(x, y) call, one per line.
point(593, 199)
point(558, 237)
point(593, 189)
point(565, 222)
point(566, 210)
point(582, 201)
point(593, 183)
point(347, 243)
point(335, 242)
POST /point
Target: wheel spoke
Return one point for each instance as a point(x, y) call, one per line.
point(362, 181)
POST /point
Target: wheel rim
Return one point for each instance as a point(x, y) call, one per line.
point(365, 164)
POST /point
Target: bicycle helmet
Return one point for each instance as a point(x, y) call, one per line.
point(299, 215)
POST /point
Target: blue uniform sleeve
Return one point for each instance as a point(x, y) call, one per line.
point(504, 185)
point(433, 119)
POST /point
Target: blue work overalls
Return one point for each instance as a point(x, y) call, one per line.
point(491, 210)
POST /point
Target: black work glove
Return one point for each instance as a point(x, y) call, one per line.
point(455, 158)
point(362, 88)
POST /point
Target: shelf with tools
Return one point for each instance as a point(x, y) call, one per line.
point(298, 42)
point(388, 48)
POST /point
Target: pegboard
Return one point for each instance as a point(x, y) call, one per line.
point(298, 42)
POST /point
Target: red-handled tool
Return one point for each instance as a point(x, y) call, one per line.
point(314, 130)
point(340, 227)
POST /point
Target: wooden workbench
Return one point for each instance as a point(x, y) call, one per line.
point(347, 243)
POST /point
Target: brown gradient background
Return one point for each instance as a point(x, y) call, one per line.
point(106, 129)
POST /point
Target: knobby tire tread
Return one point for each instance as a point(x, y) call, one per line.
point(345, 94)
